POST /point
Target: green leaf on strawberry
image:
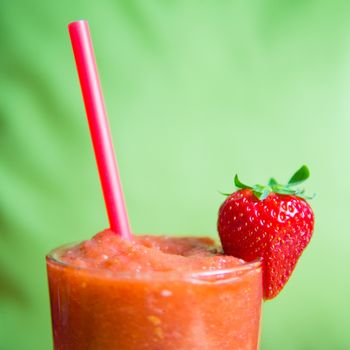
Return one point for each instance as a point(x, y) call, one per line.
point(262, 191)
point(300, 176)
point(239, 184)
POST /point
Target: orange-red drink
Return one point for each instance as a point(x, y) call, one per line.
point(153, 293)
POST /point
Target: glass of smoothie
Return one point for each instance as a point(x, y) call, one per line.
point(154, 292)
point(123, 292)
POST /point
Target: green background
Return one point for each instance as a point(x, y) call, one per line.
point(196, 91)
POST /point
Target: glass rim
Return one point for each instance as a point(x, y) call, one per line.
point(208, 276)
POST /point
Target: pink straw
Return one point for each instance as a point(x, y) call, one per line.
point(99, 127)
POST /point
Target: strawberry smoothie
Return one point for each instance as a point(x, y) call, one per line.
point(154, 293)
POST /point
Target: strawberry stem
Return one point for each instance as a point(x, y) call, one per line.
point(263, 191)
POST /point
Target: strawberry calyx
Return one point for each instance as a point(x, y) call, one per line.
point(263, 191)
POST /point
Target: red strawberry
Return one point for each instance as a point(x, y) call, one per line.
point(272, 222)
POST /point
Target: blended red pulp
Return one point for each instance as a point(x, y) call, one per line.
point(108, 252)
point(153, 293)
